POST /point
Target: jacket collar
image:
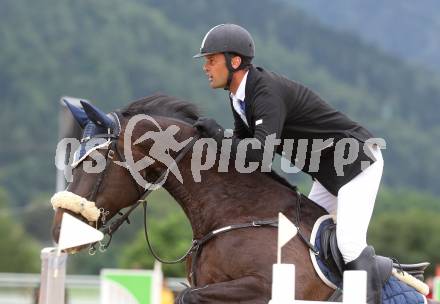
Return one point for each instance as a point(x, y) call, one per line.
point(241, 91)
point(250, 82)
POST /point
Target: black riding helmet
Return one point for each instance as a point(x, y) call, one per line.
point(231, 40)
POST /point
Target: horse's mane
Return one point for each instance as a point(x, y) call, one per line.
point(169, 106)
point(163, 105)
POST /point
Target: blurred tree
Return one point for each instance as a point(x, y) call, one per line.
point(18, 251)
point(119, 51)
point(410, 236)
point(111, 52)
point(37, 217)
point(391, 200)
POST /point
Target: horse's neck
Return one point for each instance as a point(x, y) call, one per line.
point(221, 199)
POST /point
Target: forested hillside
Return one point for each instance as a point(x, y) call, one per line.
point(406, 28)
point(112, 52)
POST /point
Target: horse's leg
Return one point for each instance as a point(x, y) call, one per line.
point(246, 290)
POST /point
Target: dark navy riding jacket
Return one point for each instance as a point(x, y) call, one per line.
point(277, 105)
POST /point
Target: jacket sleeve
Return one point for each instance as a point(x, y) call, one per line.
point(269, 114)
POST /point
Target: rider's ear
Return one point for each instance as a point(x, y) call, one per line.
point(78, 113)
point(96, 115)
point(236, 62)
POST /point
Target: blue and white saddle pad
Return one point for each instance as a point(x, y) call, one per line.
point(393, 292)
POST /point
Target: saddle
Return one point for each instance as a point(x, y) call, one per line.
point(332, 257)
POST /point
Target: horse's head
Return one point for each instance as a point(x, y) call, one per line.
point(111, 169)
point(94, 194)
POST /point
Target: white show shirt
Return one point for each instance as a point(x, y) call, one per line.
point(240, 95)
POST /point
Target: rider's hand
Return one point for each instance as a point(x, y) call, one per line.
point(208, 127)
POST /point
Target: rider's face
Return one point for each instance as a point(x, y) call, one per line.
point(216, 71)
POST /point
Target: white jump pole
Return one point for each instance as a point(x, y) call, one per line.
point(355, 287)
point(283, 287)
point(73, 233)
point(53, 275)
point(283, 278)
point(283, 284)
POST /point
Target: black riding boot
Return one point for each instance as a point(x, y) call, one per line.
point(367, 262)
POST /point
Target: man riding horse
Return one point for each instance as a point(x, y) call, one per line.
point(264, 103)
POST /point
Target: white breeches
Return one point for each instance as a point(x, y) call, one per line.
point(353, 207)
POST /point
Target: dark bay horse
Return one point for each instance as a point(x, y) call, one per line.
point(234, 267)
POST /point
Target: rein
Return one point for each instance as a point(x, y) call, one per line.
point(197, 244)
point(114, 226)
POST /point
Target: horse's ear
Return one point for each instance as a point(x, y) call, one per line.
point(78, 113)
point(96, 115)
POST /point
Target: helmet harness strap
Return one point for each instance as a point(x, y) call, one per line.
point(231, 70)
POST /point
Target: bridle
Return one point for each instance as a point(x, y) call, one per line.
point(197, 244)
point(110, 228)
